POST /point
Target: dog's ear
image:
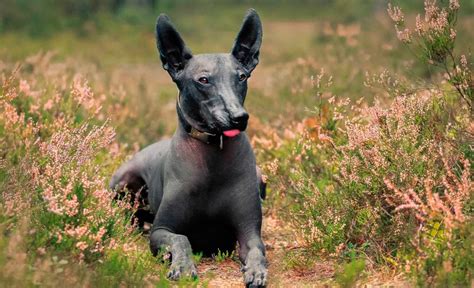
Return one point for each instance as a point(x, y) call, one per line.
point(173, 52)
point(247, 44)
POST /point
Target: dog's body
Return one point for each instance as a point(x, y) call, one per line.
point(202, 185)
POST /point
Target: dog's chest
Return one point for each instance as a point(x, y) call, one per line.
point(209, 169)
point(211, 234)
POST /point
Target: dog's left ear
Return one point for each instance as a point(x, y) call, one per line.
point(173, 52)
point(247, 44)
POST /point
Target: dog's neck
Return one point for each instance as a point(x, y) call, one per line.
point(208, 138)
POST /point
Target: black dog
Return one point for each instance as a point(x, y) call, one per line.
point(202, 185)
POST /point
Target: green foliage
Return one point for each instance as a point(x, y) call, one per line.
point(222, 256)
point(350, 273)
point(197, 257)
point(117, 270)
point(299, 259)
point(446, 264)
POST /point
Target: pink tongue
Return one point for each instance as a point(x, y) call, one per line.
point(232, 133)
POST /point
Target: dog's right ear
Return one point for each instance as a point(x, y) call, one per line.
point(173, 52)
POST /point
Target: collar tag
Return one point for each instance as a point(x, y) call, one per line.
point(202, 136)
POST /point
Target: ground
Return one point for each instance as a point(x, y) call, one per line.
point(278, 240)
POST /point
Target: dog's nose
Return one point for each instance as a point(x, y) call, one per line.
point(240, 119)
point(241, 116)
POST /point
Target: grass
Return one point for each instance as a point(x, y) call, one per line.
point(222, 256)
point(350, 273)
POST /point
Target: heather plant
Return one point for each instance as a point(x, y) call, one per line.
point(392, 185)
point(56, 151)
point(388, 182)
point(300, 163)
point(398, 172)
point(433, 41)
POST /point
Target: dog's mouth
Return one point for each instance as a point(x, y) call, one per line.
point(215, 125)
point(231, 133)
point(227, 129)
point(231, 130)
point(215, 129)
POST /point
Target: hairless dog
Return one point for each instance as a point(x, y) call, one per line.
point(202, 185)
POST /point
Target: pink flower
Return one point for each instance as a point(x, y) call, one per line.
point(48, 105)
point(404, 35)
point(82, 245)
point(25, 87)
point(395, 13)
point(454, 4)
point(10, 114)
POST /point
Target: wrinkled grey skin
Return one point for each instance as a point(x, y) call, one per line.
point(204, 198)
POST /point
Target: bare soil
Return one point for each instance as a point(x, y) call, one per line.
point(278, 239)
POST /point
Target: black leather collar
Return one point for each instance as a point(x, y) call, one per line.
point(205, 137)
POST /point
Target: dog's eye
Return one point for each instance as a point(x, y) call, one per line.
point(203, 80)
point(242, 77)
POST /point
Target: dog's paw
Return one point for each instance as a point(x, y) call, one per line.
point(255, 275)
point(182, 269)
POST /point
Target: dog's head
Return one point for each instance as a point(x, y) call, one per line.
point(212, 87)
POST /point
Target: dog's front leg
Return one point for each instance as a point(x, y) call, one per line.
point(180, 249)
point(252, 254)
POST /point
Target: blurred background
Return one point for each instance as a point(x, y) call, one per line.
point(111, 42)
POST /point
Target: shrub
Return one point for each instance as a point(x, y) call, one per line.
point(390, 182)
point(57, 149)
point(433, 41)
